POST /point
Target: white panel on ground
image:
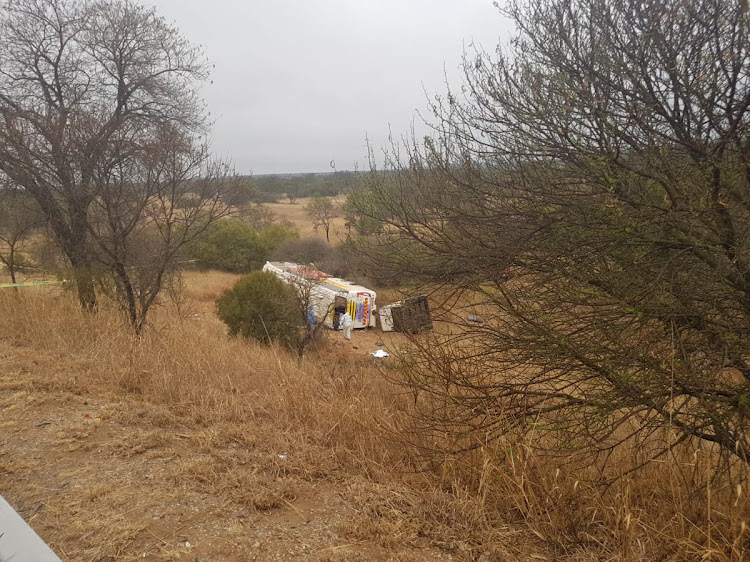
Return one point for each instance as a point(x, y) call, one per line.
point(386, 318)
point(18, 541)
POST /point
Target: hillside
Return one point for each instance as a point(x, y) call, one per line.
point(187, 445)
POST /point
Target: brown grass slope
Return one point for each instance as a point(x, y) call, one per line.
point(186, 444)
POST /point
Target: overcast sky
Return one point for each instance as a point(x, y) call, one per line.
point(299, 83)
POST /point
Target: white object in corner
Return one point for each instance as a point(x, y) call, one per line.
point(18, 541)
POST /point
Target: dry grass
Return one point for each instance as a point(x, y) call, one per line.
point(206, 286)
point(295, 213)
point(195, 434)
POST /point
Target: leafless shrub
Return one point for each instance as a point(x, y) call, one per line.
point(586, 193)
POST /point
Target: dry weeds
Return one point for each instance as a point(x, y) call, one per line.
point(200, 445)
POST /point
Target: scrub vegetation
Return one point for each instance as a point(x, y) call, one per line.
point(186, 424)
point(579, 220)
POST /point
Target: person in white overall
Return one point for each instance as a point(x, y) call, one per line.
point(346, 324)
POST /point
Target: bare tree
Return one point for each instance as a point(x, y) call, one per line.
point(588, 191)
point(258, 215)
point(322, 212)
point(88, 89)
point(19, 218)
point(140, 224)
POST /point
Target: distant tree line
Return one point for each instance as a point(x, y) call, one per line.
point(295, 186)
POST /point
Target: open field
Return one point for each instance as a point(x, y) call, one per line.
point(187, 444)
point(295, 214)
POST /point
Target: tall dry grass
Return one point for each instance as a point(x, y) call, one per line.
point(347, 423)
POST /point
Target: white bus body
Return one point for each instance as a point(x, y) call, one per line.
point(329, 295)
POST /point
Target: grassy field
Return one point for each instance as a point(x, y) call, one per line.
point(186, 443)
point(295, 213)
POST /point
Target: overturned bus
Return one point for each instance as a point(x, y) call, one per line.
point(330, 297)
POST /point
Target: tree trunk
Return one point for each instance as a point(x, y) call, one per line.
point(84, 278)
point(127, 296)
point(12, 265)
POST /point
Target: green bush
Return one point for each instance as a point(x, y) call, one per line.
point(233, 246)
point(362, 210)
point(263, 307)
point(273, 235)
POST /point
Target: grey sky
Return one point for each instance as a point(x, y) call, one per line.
point(299, 83)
